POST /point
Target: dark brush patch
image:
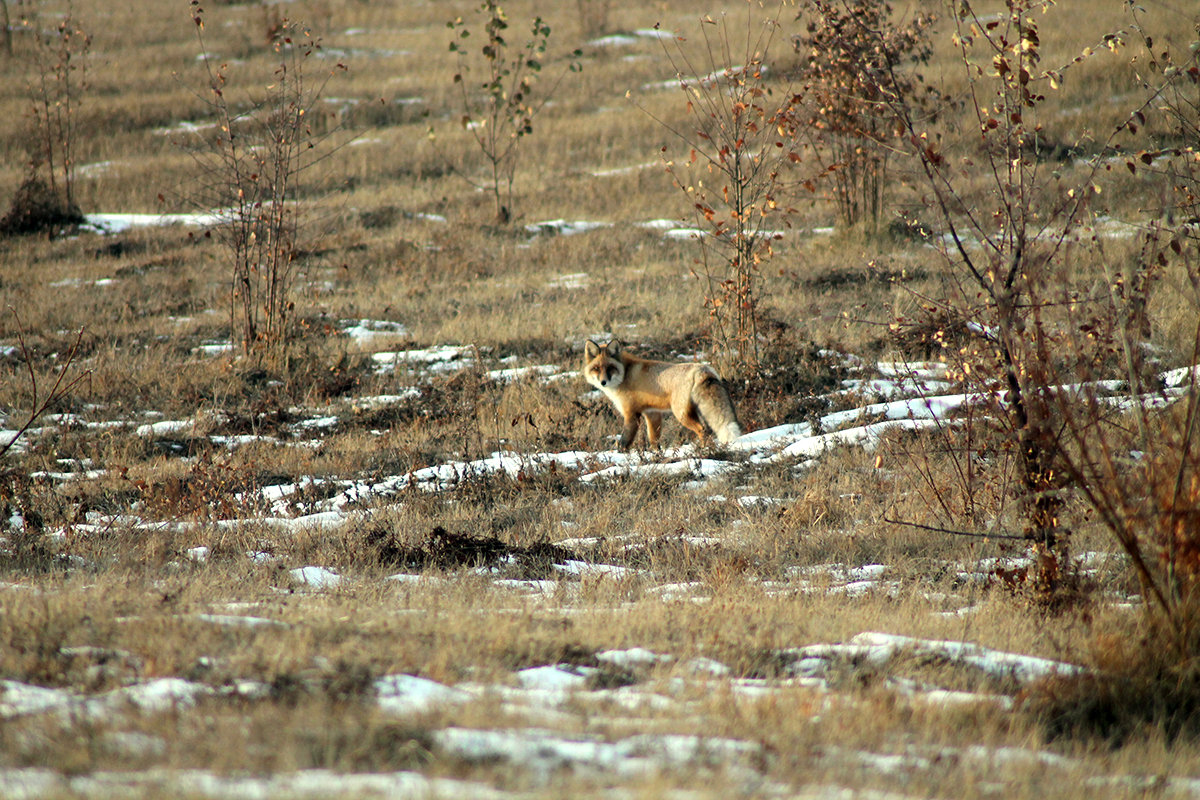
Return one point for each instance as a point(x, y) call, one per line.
point(442, 549)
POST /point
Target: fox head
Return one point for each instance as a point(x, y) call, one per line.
point(602, 366)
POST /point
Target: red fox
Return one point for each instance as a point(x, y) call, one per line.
point(641, 387)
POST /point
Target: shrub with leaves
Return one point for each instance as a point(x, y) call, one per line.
point(1141, 471)
point(857, 60)
point(741, 140)
point(1031, 335)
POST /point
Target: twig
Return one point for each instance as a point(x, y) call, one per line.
point(974, 534)
point(57, 391)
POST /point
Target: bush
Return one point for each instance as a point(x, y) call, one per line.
point(1136, 687)
point(37, 208)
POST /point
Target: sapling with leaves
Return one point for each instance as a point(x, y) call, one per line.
point(858, 58)
point(500, 93)
point(1140, 470)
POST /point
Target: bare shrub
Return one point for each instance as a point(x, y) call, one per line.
point(252, 169)
point(46, 199)
point(41, 401)
point(593, 16)
point(37, 207)
point(6, 20)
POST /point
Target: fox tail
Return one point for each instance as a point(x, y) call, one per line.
point(712, 399)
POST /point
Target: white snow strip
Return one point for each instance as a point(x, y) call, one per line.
point(879, 648)
point(119, 223)
point(410, 694)
point(373, 402)
point(520, 373)
point(867, 436)
point(633, 658)
point(184, 127)
point(443, 358)
point(161, 694)
point(655, 33)
point(316, 577)
point(573, 280)
point(588, 569)
point(695, 468)
point(562, 227)
point(171, 427)
point(921, 370)
point(554, 678)
point(366, 331)
point(545, 751)
point(235, 621)
point(1180, 378)
point(928, 408)
point(542, 588)
point(317, 422)
point(213, 349)
point(313, 784)
point(613, 172)
point(615, 40)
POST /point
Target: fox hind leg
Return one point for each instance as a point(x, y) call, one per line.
point(688, 416)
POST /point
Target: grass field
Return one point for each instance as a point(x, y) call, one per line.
point(400, 555)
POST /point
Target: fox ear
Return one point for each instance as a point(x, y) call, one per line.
point(614, 347)
point(591, 349)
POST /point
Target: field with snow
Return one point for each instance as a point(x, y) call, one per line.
point(402, 557)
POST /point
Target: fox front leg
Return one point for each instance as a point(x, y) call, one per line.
point(629, 431)
point(653, 426)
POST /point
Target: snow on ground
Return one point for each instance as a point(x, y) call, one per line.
point(18, 784)
point(119, 223)
point(879, 648)
point(445, 358)
point(566, 710)
point(366, 331)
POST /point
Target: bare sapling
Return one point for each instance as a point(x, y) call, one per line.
point(252, 171)
point(593, 16)
point(6, 20)
point(500, 94)
point(740, 138)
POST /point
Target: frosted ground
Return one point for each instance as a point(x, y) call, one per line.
point(616, 722)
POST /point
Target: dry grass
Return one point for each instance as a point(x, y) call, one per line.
point(103, 586)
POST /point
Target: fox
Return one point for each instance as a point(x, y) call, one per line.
point(640, 387)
